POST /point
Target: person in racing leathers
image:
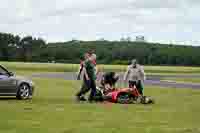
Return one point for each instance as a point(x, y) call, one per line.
point(135, 76)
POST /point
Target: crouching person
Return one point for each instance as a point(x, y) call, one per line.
point(108, 82)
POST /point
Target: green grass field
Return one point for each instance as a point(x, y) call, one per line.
point(53, 108)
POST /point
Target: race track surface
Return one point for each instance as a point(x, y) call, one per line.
point(155, 80)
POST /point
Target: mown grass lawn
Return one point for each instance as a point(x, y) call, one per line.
point(54, 110)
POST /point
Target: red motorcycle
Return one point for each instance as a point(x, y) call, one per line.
point(123, 96)
point(119, 95)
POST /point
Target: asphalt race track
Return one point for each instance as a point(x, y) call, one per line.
point(155, 80)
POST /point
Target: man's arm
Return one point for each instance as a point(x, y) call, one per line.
point(126, 73)
point(79, 72)
point(85, 74)
point(97, 70)
point(142, 73)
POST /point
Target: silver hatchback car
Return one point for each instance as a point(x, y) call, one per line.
point(11, 85)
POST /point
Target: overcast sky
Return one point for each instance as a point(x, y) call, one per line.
point(61, 20)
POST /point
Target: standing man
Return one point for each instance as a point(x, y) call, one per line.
point(85, 87)
point(90, 71)
point(135, 76)
point(89, 77)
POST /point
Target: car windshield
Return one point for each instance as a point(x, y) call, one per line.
point(2, 71)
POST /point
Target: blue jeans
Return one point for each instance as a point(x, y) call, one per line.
point(93, 89)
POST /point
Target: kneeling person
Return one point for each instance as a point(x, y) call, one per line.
point(108, 81)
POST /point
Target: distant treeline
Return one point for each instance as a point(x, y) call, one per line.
point(30, 49)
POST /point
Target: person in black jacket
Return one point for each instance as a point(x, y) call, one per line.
point(108, 81)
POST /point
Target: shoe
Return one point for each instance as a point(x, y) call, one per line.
point(82, 98)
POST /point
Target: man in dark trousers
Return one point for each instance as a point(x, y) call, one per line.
point(135, 76)
point(90, 71)
point(89, 78)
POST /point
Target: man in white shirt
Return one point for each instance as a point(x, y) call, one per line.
point(135, 76)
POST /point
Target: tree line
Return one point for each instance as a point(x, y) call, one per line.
point(30, 49)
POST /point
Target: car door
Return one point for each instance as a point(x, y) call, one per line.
point(7, 83)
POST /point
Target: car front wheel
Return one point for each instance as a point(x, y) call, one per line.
point(23, 92)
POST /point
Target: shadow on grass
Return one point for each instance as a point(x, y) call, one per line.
point(7, 98)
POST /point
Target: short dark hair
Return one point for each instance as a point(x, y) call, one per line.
point(109, 78)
